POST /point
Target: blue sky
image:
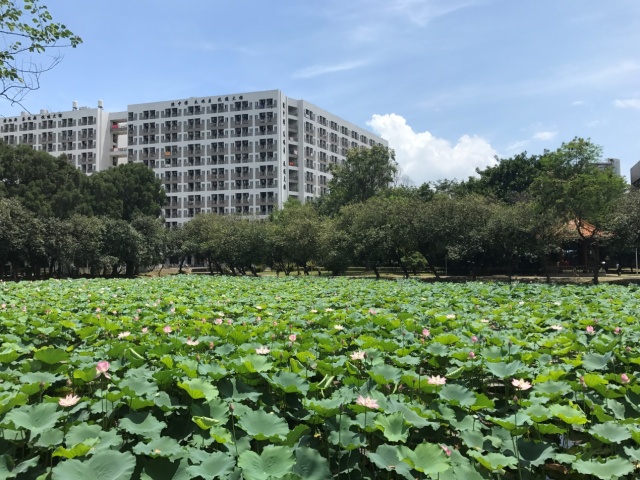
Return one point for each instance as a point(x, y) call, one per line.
point(450, 83)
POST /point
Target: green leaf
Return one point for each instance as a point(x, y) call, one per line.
point(216, 465)
point(394, 426)
point(199, 388)
point(534, 453)
point(289, 382)
point(143, 424)
point(570, 415)
point(310, 465)
point(274, 462)
point(163, 469)
point(78, 450)
point(504, 370)
point(36, 418)
point(386, 374)
point(593, 380)
point(262, 425)
point(386, 458)
point(495, 462)
point(610, 432)
point(427, 458)
point(160, 447)
point(51, 355)
point(594, 361)
point(81, 433)
point(612, 468)
point(205, 423)
point(104, 465)
point(458, 395)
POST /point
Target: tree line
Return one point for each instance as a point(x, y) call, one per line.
point(518, 216)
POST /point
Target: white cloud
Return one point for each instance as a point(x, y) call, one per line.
point(577, 103)
point(628, 103)
point(544, 135)
point(318, 70)
point(425, 158)
point(518, 145)
point(422, 12)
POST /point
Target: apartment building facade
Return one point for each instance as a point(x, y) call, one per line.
point(243, 153)
point(91, 138)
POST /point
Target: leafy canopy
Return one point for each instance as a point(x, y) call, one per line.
point(28, 29)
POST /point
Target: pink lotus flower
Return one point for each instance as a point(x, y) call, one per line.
point(123, 334)
point(591, 330)
point(145, 330)
point(68, 401)
point(359, 355)
point(372, 311)
point(624, 378)
point(218, 321)
point(446, 449)
point(436, 380)
point(102, 368)
point(425, 332)
point(293, 337)
point(474, 339)
point(617, 330)
point(193, 343)
point(262, 350)
point(472, 355)
point(367, 402)
point(521, 384)
point(167, 329)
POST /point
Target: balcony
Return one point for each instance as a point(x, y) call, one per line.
point(194, 178)
point(118, 152)
point(118, 129)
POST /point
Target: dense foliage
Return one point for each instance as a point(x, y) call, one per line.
point(306, 378)
point(29, 31)
point(519, 216)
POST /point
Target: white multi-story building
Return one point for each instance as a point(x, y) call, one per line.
point(242, 153)
point(91, 138)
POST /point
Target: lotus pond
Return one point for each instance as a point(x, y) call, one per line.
point(192, 377)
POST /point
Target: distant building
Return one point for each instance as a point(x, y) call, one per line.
point(612, 163)
point(91, 138)
point(635, 175)
point(243, 153)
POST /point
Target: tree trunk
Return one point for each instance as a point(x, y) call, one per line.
point(402, 265)
point(596, 256)
point(375, 270)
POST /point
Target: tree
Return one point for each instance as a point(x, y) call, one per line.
point(295, 233)
point(20, 235)
point(579, 192)
point(153, 249)
point(507, 181)
point(126, 191)
point(46, 185)
point(625, 222)
point(365, 173)
point(28, 29)
point(381, 231)
point(455, 228)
